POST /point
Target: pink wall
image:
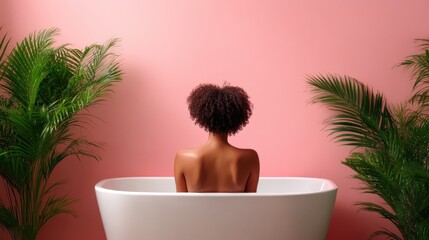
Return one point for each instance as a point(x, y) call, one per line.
point(267, 47)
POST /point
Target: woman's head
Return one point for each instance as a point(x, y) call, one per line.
point(219, 109)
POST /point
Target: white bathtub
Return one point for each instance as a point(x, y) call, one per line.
point(148, 208)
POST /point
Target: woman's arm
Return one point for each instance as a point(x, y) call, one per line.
point(179, 174)
point(252, 181)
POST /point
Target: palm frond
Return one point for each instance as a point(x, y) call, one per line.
point(45, 89)
point(75, 147)
point(393, 162)
point(377, 171)
point(419, 65)
point(7, 218)
point(372, 207)
point(395, 181)
point(25, 67)
point(386, 233)
point(55, 206)
point(4, 42)
point(362, 115)
point(95, 70)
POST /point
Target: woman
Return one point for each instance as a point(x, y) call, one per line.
point(217, 166)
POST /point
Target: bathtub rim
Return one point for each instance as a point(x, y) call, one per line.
point(98, 188)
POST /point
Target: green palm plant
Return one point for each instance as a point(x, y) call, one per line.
point(390, 153)
point(43, 90)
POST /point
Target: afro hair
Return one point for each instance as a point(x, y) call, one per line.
point(219, 109)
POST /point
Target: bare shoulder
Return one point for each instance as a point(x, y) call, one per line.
point(249, 154)
point(248, 151)
point(186, 154)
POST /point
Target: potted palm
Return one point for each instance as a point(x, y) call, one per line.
point(391, 144)
point(43, 90)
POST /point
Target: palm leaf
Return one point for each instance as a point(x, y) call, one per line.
point(377, 171)
point(419, 65)
point(7, 218)
point(4, 42)
point(362, 115)
point(95, 70)
point(386, 233)
point(394, 159)
point(55, 206)
point(25, 67)
point(46, 88)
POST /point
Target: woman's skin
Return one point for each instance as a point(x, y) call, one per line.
point(216, 166)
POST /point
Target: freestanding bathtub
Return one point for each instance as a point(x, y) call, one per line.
point(148, 208)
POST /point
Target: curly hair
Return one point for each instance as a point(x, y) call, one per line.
point(219, 109)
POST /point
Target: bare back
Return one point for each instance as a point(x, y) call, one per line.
point(216, 167)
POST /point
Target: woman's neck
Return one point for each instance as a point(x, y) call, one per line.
point(218, 138)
